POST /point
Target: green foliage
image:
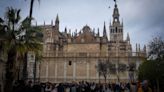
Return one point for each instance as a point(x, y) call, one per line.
point(156, 48)
point(153, 68)
point(16, 39)
point(147, 70)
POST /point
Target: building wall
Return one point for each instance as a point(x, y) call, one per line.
point(60, 69)
point(83, 47)
point(74, 56)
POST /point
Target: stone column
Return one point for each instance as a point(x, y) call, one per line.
point(87, 70)
point(74, 70)
point(117, 74)
point(65, 71)
point(56, 67)
point(97, 73)
point(46, 71)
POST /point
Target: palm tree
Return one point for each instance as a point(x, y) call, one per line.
point(2, 27)
point(8, 37)
point(18, 38)
point(32, 39)
point(2, 40)
point(31, 8)
point(25, 74)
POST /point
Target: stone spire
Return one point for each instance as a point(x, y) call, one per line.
point(128, 38)
point(57, 19)
point(110, 23)
point(122, 22)
point(52, 22)
point(144, 48)
point(116, 14)
point(136, 48)
point(98, 33)
point(44, 23)
point(94, 31)
point(69, 31)
point(104, 31)
point(36, 24)
point(57, 23)
point(65, 30)
point(75, 33)
point(139, 47)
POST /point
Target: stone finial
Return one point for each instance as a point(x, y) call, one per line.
point(139, 47)
point(69, 31)
point(98, 33)
point(110, 23)
point(51, 22)
point(75, 33)
point(104, 31)
point(65, 30)
point(144, 48)
point(36, 24)
point(94, 31)
point(44, 23)
point(136, 48)
point(128, 38)
point(57, 19)
point(122, 22)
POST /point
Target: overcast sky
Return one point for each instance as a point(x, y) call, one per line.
point(143, 19)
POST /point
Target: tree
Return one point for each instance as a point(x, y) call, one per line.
point(16, 41)
point(9, 38)
point(156, 52)
point(153, 71)
point(2, 45)
point(31, 9)
point(153, 68)
point(32, 40)
point(25, 57)
point(156, 49)
point(131, 68)
point(103, 69)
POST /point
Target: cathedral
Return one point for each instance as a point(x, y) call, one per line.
point(75, 56)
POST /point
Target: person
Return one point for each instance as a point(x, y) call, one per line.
point(73, 88)
point(146, 87)
point(133, 87)
point(48, 87)
point(28, 87)
point(36, 88)
point(54, 88)
point(139, 87)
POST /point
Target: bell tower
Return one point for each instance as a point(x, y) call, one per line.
point(116, 28)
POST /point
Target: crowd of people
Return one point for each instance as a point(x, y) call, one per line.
point(82, 86)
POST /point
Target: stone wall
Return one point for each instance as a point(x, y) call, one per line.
point(78, 69)
point(95, 47)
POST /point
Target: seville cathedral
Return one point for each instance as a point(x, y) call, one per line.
point(75, 56)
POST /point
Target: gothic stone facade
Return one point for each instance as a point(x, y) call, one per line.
point(74, 56)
